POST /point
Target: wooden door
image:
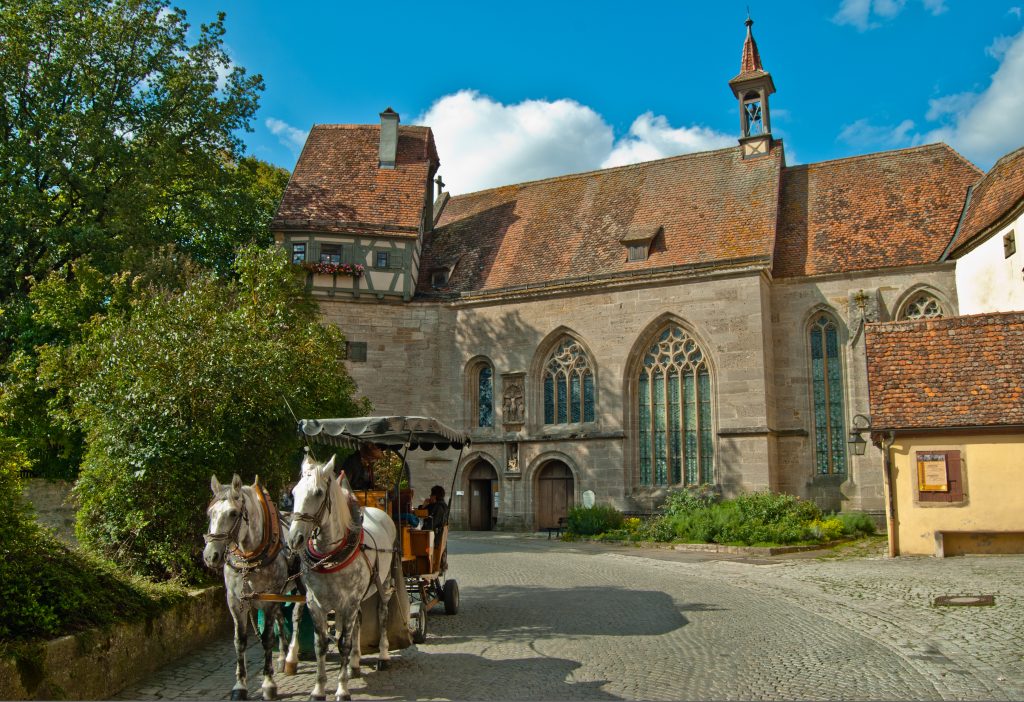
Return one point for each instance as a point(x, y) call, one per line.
point(481, 496)
point(555, 494)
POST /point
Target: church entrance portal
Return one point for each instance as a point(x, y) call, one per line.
point(483, 484)
point(555, 494)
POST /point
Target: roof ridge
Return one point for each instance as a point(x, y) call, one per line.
point(880, 154)
point(582, 174)
point(366, 126)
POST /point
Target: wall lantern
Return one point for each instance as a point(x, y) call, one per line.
point(856, 441)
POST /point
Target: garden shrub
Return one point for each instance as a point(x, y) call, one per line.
point(856, 523)
point(187, 380)
point(46, 589)
point(587, 521)
point(690, 499)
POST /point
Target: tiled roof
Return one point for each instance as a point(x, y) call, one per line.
point(997, 193)
point(895, 208)
point(750, 62)
point(945, 373)
point(337, 184)
point(711, 206)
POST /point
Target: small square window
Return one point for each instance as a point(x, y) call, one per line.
point(638, 252)
point(330, 253)
point(298, 253)
point(1009, 244)
point(383, 259)
point(355, 351)
point(438, 279)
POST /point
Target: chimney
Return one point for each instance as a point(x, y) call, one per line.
point(388, 138)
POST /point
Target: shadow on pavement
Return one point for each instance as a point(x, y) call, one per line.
point(517, 613)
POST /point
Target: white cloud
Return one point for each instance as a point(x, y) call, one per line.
point(987, 125)
point(955, 104)
point(863, 134)
point(1014, 11)
point(485, 143)
point(288, 135)
point(861, 13)
point(999, 46)
point(651, 137)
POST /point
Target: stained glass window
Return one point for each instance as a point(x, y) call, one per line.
point(827, 392)
point(485, 397)
point(674, 392)
point(568, 385)
point(923, 306)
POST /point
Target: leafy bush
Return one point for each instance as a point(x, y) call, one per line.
point(827, 530)
point(187, 379)
point(48, 590)
point(587, 521)
point(691, 499)
point(856, 523)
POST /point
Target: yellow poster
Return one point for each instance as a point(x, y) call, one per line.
point(931, 472)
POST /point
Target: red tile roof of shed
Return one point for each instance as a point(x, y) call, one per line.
point(999, 192)
point(947, 373)
point(711, 206)
point(894, 208)
point(337, 183)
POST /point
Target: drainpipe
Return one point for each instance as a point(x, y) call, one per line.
point(885, 440)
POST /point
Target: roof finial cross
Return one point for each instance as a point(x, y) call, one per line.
point(440, 184)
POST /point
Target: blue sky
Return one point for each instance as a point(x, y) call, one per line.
point(517, 91)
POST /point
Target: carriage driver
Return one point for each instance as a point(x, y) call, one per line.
point(437, 512)
point(359, 466)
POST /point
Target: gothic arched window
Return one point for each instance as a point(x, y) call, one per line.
point(674, 395)
point(827, 382)
point(568, 385)
point(923, 306)
point(484, 404)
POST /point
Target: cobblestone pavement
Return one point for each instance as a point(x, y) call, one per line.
point(550, 620)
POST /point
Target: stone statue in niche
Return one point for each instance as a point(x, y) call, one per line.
point(512, 403)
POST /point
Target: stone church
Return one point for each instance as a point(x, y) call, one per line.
point(624, 332)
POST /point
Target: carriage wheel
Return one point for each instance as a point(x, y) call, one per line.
point(419, 635)
point(450, 595)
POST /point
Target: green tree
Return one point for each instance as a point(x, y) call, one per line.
point(118, 134)
point(187, 380)
point(110, 120)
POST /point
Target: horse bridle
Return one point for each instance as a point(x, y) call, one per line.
point(316, 518)
point(231, 535)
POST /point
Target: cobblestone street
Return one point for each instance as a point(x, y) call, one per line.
point(549, 620)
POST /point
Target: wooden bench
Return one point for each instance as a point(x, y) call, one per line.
point(556, 529)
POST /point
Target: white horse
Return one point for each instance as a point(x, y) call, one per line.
point(343, 563)
point(243, 517)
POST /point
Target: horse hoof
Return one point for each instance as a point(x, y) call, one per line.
point(383, 665)
point(356, 673)
point(291, 667)
point(270, 693)
point(239, 694)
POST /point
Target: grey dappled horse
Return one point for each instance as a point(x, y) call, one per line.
point(343, 563)
point(256, 563)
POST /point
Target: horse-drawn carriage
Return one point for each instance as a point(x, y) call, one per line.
point(359, 557)
point(424, 562)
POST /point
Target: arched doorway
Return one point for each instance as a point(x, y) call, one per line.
point(556, 493)
point(483, 483)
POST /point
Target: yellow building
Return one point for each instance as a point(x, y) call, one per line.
point(947, 400)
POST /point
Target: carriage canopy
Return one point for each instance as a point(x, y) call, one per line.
point(423, 433)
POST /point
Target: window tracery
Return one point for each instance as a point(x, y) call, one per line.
point(568, 385)
point(674, 396)
point(827, 384)
point(923, 306)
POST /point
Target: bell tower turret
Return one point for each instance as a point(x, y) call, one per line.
point(752, 87)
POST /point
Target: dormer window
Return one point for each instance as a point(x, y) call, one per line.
point(438, 279)
point(637, 241)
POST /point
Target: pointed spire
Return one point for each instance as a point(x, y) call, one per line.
point(751, 58)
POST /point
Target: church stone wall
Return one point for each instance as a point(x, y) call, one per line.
point(418, 356)
point(794, 301)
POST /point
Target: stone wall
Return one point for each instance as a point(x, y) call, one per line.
point(96, 664)
point(54, 505)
